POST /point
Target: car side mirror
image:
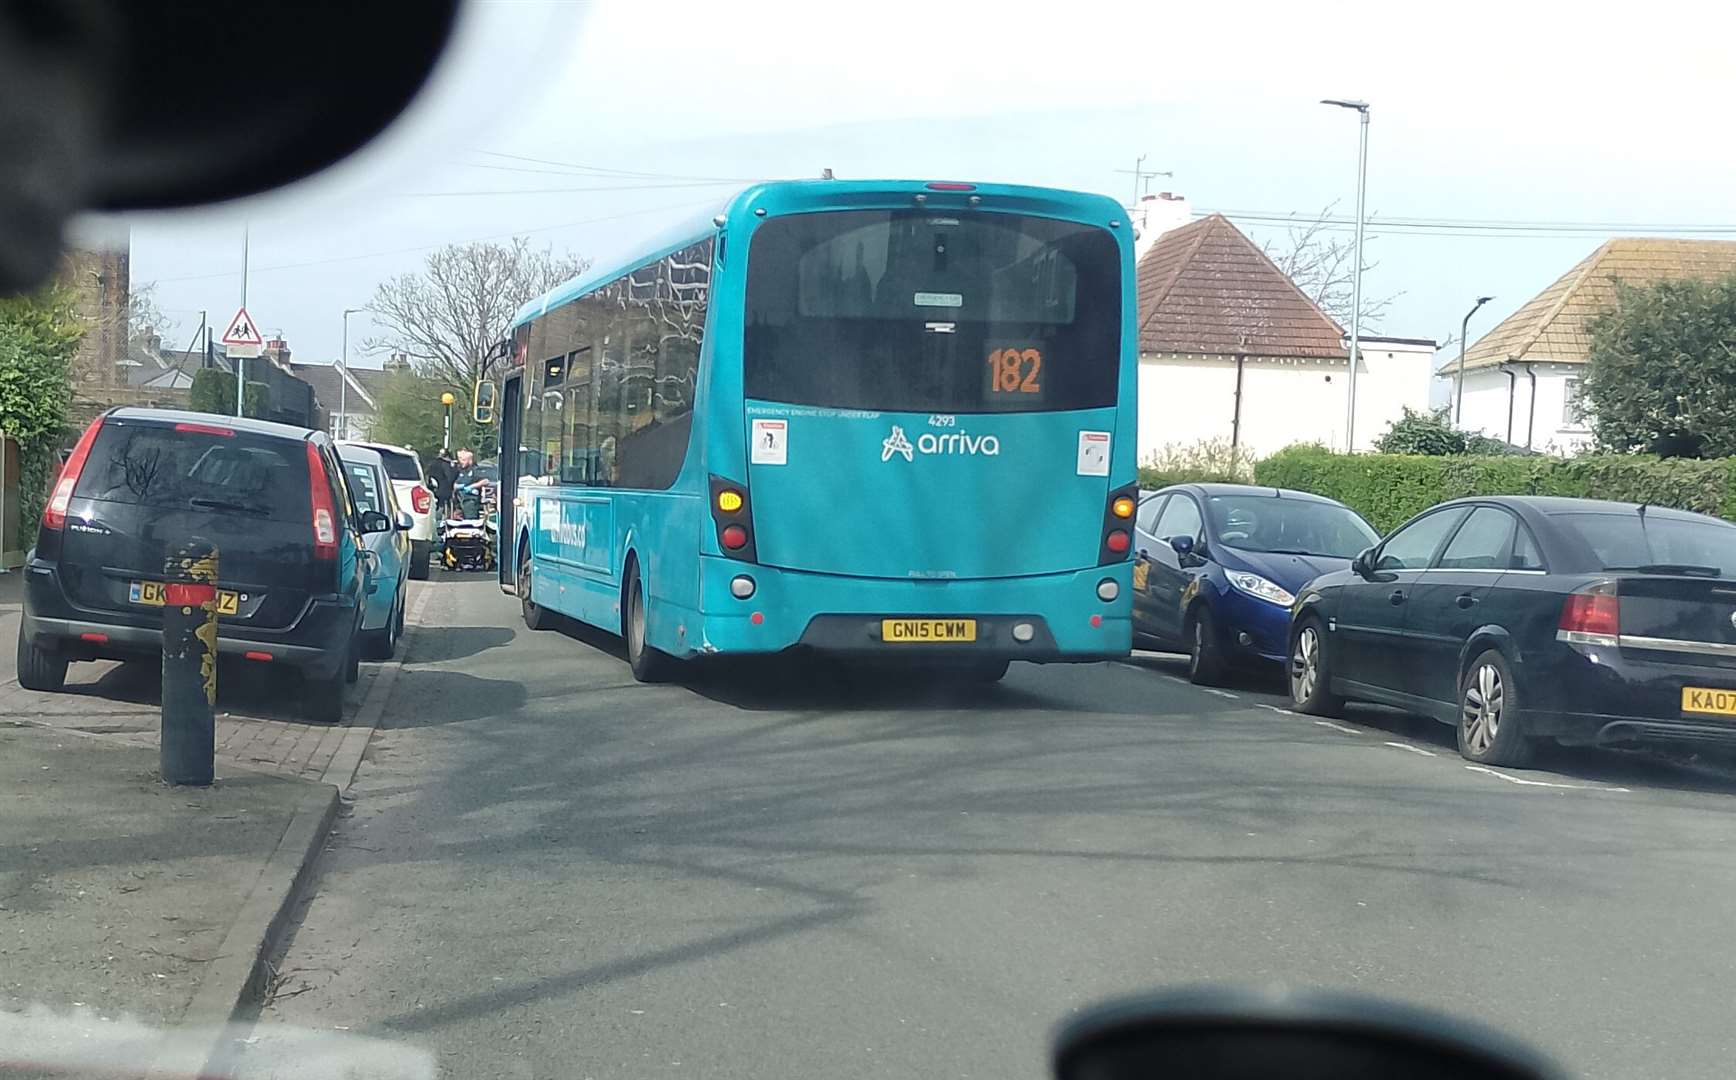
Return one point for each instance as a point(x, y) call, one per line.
point(1183, 545)
point(405, 521)
point(373, 521)
point(1363, 564)
point(1219, 1034)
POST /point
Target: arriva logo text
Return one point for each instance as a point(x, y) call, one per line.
point(929, 443)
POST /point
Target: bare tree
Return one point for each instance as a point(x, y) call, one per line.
point(1320, 258)
point(449, 317)
point(146, 317)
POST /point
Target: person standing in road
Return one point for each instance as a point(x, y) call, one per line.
point(440, 477)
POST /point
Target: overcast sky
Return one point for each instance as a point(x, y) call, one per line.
point(1610, 118)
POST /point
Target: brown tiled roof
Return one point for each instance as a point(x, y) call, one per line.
point(1205, 288)
point(1552, 324)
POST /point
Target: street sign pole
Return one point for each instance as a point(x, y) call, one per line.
point(244, 342)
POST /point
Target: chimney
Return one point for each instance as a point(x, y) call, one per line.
point(397, 362)
point(154, 342)
point(1155, 215)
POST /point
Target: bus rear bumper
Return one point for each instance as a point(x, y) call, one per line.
point(844, 615)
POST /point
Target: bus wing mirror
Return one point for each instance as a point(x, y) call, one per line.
point(482, 403)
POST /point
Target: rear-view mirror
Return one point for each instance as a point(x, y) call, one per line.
point(405, 521)
point(482, 403)
point(1217, 1034)
point(1183, 545)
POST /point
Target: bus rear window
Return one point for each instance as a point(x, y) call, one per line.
point(921, 311)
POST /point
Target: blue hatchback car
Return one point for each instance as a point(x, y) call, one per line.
point(1217, 567)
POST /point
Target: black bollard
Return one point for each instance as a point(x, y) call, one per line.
point(189, 742)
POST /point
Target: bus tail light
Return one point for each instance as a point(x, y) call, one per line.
point(1115, 539)
point(732, 517)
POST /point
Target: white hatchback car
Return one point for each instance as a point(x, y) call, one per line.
point(410, 485)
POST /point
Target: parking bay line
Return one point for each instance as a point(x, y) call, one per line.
point(1337, 727)
point(1412, 749)
point(1520, 780)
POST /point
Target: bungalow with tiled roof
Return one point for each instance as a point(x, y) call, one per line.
point(1523, 378)
point(1231, 349)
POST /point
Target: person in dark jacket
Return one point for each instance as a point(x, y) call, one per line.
point(440, 475)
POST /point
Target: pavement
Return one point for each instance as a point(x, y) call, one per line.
point(774, 870)
point(122, 898)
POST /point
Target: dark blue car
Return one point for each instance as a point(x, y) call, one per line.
point(1217, 567)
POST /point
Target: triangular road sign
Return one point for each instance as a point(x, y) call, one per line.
point(242, 331)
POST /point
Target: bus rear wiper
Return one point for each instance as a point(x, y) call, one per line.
point(1673, 568)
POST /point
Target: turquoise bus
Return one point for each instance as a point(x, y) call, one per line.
point(890, 419)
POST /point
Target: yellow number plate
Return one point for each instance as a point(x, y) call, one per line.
point(151, 594)
point(1699, 699)
point(901, 631)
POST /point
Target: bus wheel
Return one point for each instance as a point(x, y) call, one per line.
point(536, 617)
point(648, 664)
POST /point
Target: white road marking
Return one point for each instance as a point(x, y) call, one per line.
point(1276, 709)
point(1412, 749)
point(1221, 693)
point(1523, 782)
point(1338, 727)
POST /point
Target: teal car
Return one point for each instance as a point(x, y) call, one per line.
point(388, 550)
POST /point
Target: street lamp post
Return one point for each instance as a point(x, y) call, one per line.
point(344, 379)
point(447, 399)
point(1459, 392)
point(1361, 108)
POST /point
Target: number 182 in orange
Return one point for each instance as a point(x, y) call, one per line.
point(1015, 371)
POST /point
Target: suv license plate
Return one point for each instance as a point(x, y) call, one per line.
point(927, 631)
point(150, 593)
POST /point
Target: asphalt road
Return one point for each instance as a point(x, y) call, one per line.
point(550, 870)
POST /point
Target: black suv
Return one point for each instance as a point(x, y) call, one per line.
point(272, 498)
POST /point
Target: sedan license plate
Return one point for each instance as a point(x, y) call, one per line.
point(150, 593)
point(927, 631)
point(1700, 699)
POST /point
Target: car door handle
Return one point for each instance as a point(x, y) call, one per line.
point(1395, 597)
point(1466, 600)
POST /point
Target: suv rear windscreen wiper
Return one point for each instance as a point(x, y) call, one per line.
point(1673, 568)
point(228, 504)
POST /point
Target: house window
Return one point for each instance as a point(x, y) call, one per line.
point(1573, 413)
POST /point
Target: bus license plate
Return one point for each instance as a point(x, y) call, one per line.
point(1699, 699)
point(150, 593)
point(903, 631)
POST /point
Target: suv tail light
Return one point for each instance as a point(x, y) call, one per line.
point(1591, 617)
point(54, 514)
point(325, 515)
point(420, 501)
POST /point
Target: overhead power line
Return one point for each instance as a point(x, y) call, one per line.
point(605, 170)
point(565, 190)
point(1480, 227)
point(443, 243)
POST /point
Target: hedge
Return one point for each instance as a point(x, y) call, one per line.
point(1388, 488)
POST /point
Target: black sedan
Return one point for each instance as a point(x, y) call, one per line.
point(1522, 618)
